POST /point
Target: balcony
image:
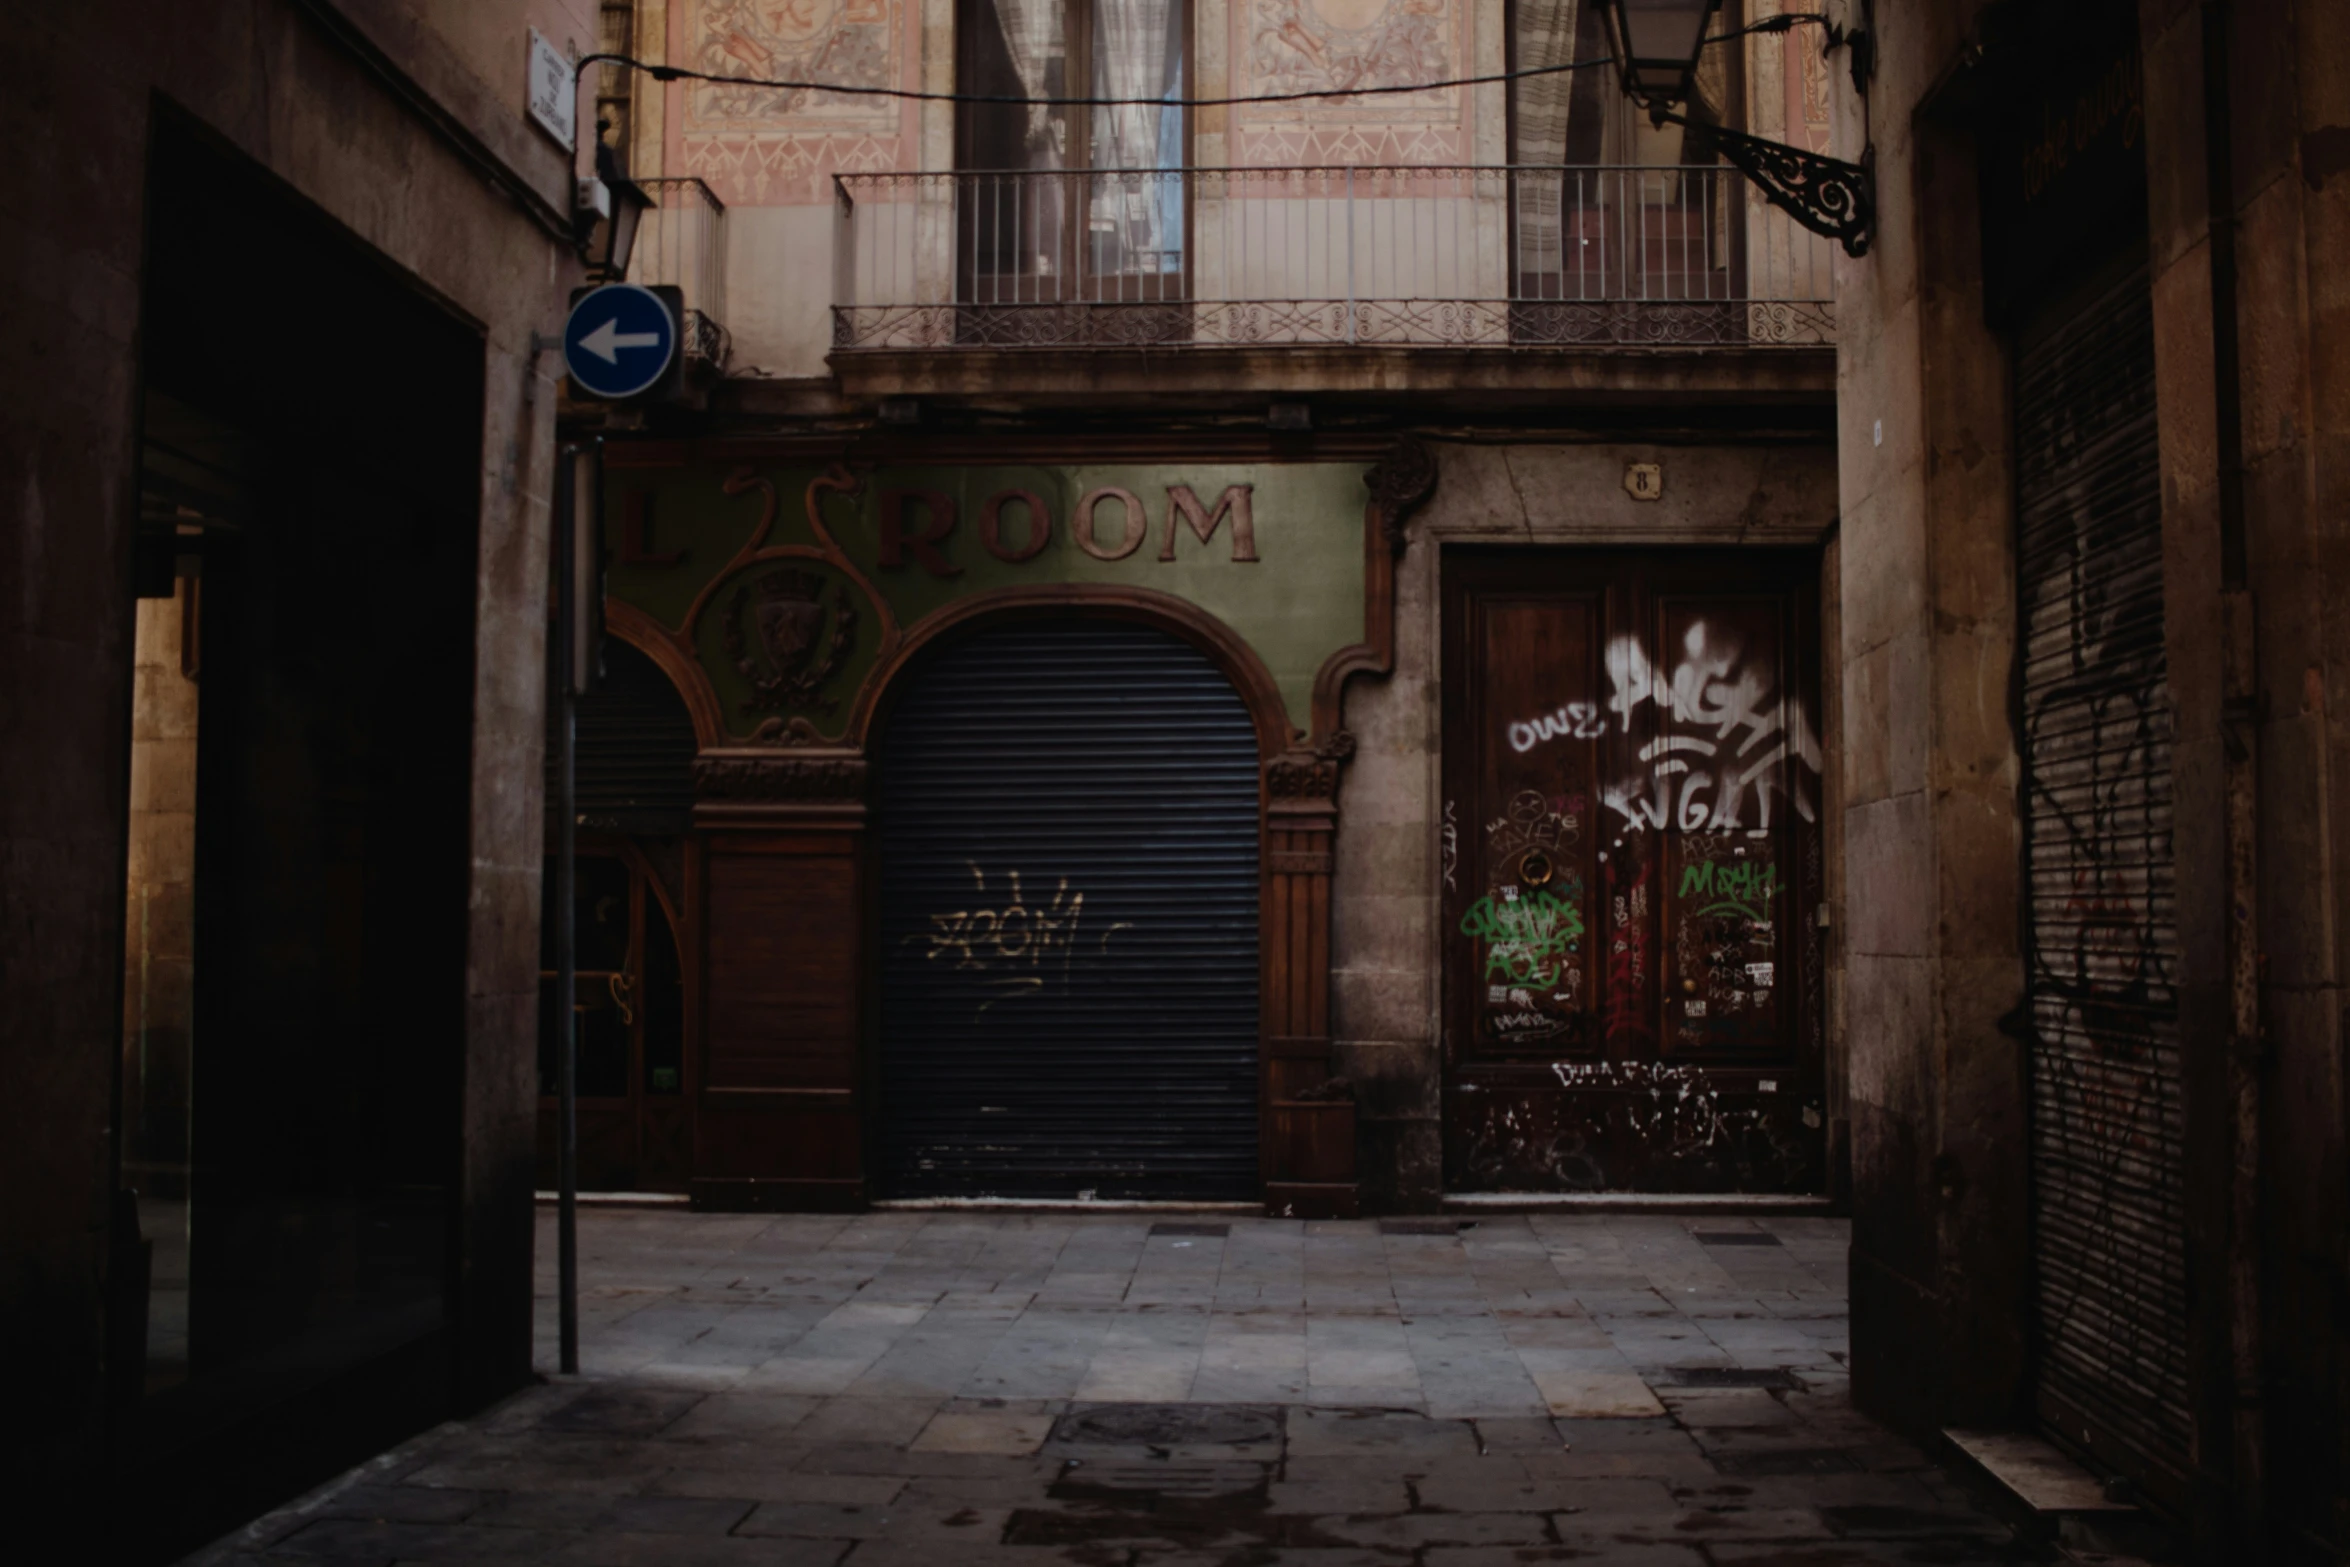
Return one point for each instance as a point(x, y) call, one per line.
point(1495, 261)
point(681, 241)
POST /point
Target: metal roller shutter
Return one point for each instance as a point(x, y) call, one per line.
point(1068, 829)
point(2107, 1138)
point(635, 766)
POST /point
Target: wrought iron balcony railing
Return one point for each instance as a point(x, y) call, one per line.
point(1256, 257)
point(682, 241)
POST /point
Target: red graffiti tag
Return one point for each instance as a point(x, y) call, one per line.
point(1626, 1019)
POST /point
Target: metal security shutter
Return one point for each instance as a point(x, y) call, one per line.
point(635, 767)
point(1068, 834)
point(2107, 1137)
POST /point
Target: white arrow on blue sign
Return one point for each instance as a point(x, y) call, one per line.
point(618, 341)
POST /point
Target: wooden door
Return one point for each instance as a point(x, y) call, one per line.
point(629, 1002)
point(777, 1017)
point(1632, 872)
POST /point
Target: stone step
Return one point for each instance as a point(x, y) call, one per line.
point(2035, 1472)
point(2049, 1496)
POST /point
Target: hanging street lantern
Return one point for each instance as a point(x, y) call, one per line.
point(1657, 46)
point(1657, 43)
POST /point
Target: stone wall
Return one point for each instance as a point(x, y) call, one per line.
point(160, 912)
point(414, 139)
point(1942, 1320)
point(2254, 532)
point(1931, 839)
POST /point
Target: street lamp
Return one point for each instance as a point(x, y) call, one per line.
point(605, 220)
point(1657, 44)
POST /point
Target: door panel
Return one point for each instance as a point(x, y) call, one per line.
point(1633, 993)
point(1524, 925)
point(774, 1086)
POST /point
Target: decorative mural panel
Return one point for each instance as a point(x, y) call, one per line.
point(1808, 95)
point(791, 587)
point(767, 146)
point(1286, 46)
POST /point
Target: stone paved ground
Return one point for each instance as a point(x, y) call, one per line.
point(1124, 1391)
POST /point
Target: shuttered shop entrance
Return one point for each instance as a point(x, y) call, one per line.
point(2107, 1138)
point(1068, 831)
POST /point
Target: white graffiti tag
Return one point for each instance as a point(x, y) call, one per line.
point(1727, 735)
point(1572, 721)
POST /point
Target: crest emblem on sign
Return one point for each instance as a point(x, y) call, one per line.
point(794, 656)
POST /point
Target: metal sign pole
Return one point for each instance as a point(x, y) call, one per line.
point(565, 541)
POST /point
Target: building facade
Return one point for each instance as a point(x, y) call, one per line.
point(277, 468)
point(2091, 476)
point(1259, 651)
point(1906, 805)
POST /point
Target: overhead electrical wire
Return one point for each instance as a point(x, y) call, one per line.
point(672, 73)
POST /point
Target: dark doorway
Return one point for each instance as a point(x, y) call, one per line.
point(1632, 871)
point(310, 479)
point(635, 797)
point(1069, 911)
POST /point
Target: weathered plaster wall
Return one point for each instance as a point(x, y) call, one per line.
point(270, 78)
point(1385, 940)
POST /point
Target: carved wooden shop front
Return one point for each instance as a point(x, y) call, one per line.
point(1014, 803)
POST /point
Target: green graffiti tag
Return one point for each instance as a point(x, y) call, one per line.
point(1735, 886)
point(1526, 935)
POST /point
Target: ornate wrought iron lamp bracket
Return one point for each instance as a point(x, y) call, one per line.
point(1657, 46)
point(1826, 195)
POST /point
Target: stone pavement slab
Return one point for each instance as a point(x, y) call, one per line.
point(907, 1389)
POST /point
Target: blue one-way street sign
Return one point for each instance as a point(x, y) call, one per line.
point(619, 340)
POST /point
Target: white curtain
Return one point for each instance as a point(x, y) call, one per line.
point(1137, 217)
point(1546, 37)
point(1035, 34)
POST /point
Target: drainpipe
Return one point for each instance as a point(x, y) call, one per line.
point(2240, 713)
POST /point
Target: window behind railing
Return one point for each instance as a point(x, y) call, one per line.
point(1341, 255)
point(1577, 120)
point(1099, 209)
point(681, 241)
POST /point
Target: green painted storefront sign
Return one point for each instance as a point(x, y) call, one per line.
point(783, 581)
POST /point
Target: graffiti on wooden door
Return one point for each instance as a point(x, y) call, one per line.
point(1633, 805)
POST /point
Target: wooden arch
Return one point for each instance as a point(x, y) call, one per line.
point(649, 637)
point(1223, 647)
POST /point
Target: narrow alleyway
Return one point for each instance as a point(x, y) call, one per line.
point(984, 1388)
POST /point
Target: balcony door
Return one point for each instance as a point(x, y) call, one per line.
point(1063, 206)
point(1605, 205)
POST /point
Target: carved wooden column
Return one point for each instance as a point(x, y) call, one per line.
point(775, 1009)
point(1309, 1129)
point(1310, 1132)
